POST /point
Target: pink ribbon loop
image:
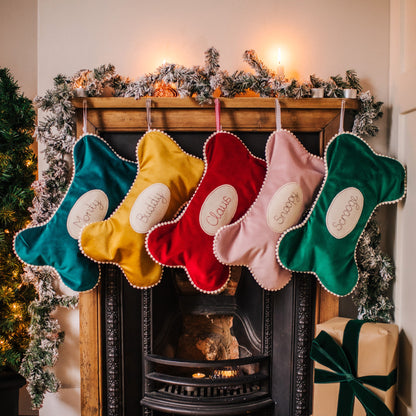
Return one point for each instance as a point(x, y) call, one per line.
point(218, 114)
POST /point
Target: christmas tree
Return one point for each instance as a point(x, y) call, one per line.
point(17, 172)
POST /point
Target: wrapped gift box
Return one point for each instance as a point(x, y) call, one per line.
point(377, 356)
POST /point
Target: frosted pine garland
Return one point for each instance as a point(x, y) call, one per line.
point(376, 271)
point(57, 132)
point(45, 336)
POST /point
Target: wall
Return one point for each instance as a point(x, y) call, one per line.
point(403, 133)
point(18, 46)
point(323, 37)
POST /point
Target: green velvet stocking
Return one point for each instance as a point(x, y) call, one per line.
point(356, 182)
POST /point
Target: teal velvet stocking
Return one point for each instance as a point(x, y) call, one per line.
point(356, 182)
point(101, 180)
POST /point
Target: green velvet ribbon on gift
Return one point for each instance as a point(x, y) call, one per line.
point(343, 363)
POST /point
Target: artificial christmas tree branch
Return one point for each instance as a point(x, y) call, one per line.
point(17, 172)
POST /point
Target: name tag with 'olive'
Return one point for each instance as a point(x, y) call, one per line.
point(285, 207)
point(150, 207)
point(90, 207)
point(218, 208)
point(344, 212)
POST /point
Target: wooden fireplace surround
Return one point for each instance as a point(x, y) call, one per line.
point(111, 114)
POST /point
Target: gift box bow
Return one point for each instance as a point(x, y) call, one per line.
point(343, 363)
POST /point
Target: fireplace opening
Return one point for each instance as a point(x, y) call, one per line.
point(199, 327)
point(207, 352)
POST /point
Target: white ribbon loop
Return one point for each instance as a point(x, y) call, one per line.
point(341, 117)
point(148, 113)
point(278, 114)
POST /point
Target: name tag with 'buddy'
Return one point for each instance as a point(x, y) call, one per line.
point(150, 207)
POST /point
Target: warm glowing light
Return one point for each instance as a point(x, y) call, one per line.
point(163, 89)
point(82, 79)
point(198, 375)
point(226, 373)
point(280, 70)
point(80, 82)
point(29, 163)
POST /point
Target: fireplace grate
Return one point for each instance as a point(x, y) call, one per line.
point(221, 391)
point(228, 386)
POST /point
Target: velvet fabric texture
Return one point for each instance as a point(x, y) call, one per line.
point(356, 182)
point(166, 180)
point(292, 180)
point(101, 180)
point(231, 182)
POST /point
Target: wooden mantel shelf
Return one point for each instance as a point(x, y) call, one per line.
point(237, 102)
point(113, 114)
point(185, 114)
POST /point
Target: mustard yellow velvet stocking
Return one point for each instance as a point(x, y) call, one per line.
point(166, 179)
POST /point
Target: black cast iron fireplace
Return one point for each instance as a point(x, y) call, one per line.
point(172, 350)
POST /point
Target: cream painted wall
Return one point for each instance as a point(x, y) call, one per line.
point(325, 37)
point(18, 45)
point(403, 133)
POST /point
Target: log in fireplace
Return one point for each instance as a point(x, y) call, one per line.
point(172, 350)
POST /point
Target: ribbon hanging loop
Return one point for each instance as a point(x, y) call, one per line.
point(341, 117)
point(148, 113)
point(218, 114)
point(84, 116)
point(278, 114)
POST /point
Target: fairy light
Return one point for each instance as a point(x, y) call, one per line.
point(162, 89)
point(226, 372)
